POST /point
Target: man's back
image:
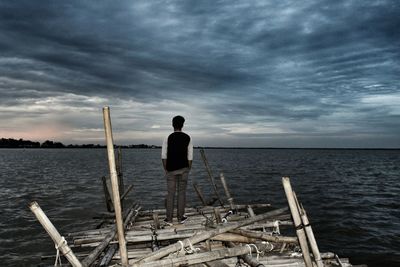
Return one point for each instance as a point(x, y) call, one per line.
point(177, 151)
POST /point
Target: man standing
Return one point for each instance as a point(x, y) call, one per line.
point(177, 157)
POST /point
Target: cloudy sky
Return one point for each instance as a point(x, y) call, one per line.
point(243, 73)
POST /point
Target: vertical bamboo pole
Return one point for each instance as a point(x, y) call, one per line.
point(217, 215)
point(297, 221)
point(54, 234)
point(226, 189)
point(210, 176)
point(120, 176)
point(199, 193)
point(114, 183)
point(309, 232)
point(250, 211)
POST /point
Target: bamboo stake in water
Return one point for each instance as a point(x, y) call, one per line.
point(199, 193)
point(226, 189)
point(54, 234)
point(115, 188)
point(210, 176)
point(297, 221)
point(309, 232)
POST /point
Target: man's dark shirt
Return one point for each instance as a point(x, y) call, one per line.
point(177, 151)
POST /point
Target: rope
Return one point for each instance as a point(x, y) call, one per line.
point(181, 251)
point(63, 242)
point(276, 228)
point(272, 246)
point(257, 251)
point(192, 248)
point(184, 251)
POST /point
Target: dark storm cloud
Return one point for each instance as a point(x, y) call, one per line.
point(247, 62)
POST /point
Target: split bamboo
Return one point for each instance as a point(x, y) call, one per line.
point(60, 242)
point(115, 188)
point(309, 232)
point(297, 221)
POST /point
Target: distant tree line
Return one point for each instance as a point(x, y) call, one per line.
point(20, 143)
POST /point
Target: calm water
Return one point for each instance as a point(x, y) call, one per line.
point(351, 196)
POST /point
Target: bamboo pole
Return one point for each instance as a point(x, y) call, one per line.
point(250, 211)
point(130, 187)
point(210, 176)
point(247, 258)
point(114, 183)
point(198, 237)
point(297, 221)
point(226, 189)
point(264, 236)
point(199, 193)
point(133, 212)
point(217, 215)
point(108, 255)
point(200, 257)
point(207, 209)
point(309, 232)
point(60, 242)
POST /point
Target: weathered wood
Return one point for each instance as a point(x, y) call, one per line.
point(232, 237)
point(108, 256)
point(210, 176)
point(265, 237)
point(217, 215)
point(208, 234)
point(60, 242)
point(250, 211)
point(133, 212)
point(217, 263)
point(309, 233)
point(108, 199)
point(247, 258)
point(115, 187)
point(267, 225)
point(206, 209)
point(130, 187)
point(199, 193)
point(297, 221)
point(156, 220)
point(227, 192)
point(199, 257)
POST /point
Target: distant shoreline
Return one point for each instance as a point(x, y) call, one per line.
point(27, 144)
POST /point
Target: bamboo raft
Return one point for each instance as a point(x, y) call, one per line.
point(220, 233)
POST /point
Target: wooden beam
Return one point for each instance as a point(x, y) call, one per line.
point(115, 187)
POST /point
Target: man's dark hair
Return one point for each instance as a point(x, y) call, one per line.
point(177, 122)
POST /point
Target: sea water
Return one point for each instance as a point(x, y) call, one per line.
point(351, 196)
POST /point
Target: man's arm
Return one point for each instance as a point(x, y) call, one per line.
point(164, 162)
point(164, 153)
point(190, 153)
point(190, 164)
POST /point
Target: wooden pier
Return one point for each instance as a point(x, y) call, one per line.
point(220, 233)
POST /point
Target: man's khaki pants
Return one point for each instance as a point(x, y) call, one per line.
point(176, 181)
